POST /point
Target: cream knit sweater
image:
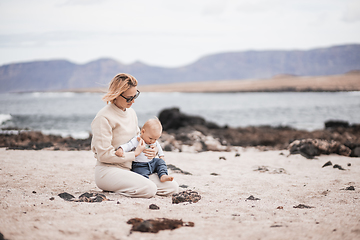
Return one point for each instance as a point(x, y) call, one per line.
point(110, 128)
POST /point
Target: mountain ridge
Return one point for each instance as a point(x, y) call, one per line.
point(63, 74)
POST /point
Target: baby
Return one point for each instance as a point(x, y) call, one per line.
point(149, 134)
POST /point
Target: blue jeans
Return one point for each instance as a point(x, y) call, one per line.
point(156, 165)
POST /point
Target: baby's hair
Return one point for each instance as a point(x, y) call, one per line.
point(119, 84)
point(153, 123)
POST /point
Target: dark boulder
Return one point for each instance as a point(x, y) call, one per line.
point(336, 124)
point(172, 118)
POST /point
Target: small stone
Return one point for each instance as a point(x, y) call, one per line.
point(222, 158)
point(186, 196)
point(154, 207)
point(34, 192)
point(351, 188)
point(237, 155)
point(338, 166)
point(302, 206)
point(66, 196)
point(214, 174)
point(156, 225)
point(252, 198)
point(51, 199)
point(329, 163)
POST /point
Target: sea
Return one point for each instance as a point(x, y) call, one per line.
point(71, 114)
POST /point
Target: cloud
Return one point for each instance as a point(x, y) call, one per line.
point(214, 7)
point(83, 2)
point(352, 12)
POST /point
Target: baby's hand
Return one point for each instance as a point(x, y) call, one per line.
point(119, 152)
point(140, 147)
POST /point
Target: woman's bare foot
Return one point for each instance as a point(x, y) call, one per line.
point(165, 178)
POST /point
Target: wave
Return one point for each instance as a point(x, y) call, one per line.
point(4, 118)
point(66, 133)
point(58, 94)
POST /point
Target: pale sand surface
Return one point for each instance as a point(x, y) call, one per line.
point(222, 213)
point(344, 82)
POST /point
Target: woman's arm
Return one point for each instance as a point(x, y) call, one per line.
point(102, 143)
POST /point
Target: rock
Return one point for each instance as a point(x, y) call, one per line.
point(329, 163)
point(302, 206)
point(336, 123)
point(85, 197)
point(177, 170)
point(91, 197)
point(154, 207)
point(338, 166)
point(156, 225)
point(314, 147)
point(262, 169)
point(2, 236)
point(173, 119)
point(355, 152)
point(33, 140)
point(66, 196)
point(252, 198)
point(186, 196)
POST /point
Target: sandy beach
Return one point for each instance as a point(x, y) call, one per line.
point(279, 83)
point(31, 208)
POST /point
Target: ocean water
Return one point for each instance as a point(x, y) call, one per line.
point(70, 114)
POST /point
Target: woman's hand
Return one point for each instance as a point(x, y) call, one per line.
point(151, 152)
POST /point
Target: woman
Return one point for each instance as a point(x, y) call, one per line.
point(114, 125)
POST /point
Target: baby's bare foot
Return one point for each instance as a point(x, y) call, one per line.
point(165, 178)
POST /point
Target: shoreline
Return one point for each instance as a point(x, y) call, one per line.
point(348, 82)
point(202, 138)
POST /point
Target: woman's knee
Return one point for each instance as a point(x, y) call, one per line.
point(148, 191)
point(173, 187)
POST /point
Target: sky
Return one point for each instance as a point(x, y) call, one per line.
point(169, 33)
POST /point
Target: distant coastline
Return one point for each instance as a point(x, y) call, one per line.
point(280, 83)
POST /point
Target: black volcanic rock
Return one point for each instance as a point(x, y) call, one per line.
point(173, 119)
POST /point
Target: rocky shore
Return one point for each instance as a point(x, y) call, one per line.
point(194, 134)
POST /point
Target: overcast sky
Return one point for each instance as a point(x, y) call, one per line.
point(169, 33)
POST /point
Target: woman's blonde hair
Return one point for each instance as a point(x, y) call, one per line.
point(119, 84)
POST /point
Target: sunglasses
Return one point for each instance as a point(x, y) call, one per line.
point(129, 99)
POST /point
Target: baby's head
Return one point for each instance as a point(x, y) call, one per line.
point(151, 131)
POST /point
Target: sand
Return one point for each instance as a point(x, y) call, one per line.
point(30, 179)
point(332, 83)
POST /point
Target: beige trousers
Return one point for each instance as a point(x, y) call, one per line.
point(132, 184)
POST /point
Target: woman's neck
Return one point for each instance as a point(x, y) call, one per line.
point(121, 108)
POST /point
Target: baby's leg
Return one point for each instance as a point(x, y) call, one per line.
point(141, 168)
point(165, 178)
point(161, 169)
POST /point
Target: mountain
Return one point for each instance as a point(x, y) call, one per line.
point(62, 74)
